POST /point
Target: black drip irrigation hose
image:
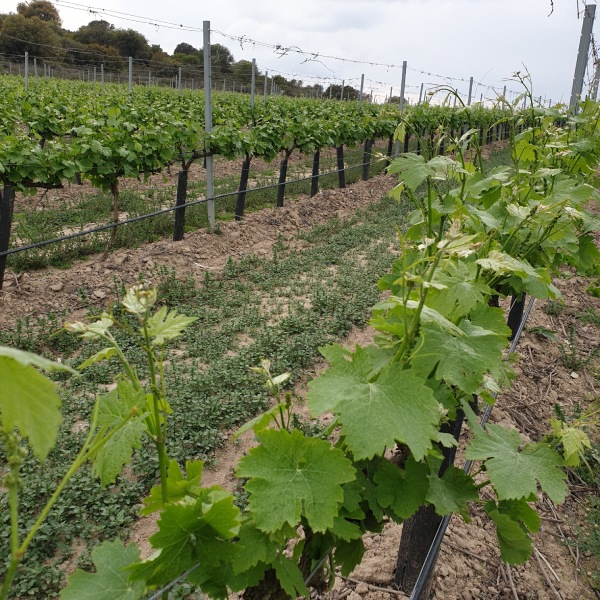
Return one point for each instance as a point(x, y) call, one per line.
point(163, 211)
point(434, 549)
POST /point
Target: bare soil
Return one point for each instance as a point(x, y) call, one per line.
point(469, 566)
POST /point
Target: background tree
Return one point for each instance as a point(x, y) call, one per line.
point(242, 72)
point(349, 92)
point(19, 34)
point(96, 32)
point(184, 48)
point(42, 9)
point(131, 43)
point(221, 59)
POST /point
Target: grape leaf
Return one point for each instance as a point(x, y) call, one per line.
point(502, 263)
point(292, 476)
point(515, 544)
point(520, 511)
point(29, 402)
point(463, 291)
point(178, 486)
point(346, 530)
point(29, 358)
point(290, 577)
point(163, 326)
point(452, 492)
point(398, 406)
point(402, 490)
point(348, 555)
point(111, 579)
point(115, 411)
point(256, 547)
point(411, 169)
point(514, 473)
point(460, 360)
point(189, 532)
point(103, 354)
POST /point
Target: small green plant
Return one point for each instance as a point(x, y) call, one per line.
point(571, 356)
point(172, 289)
point(554, 308)
point(590, 541)
point(153, 330)
point(589, 316)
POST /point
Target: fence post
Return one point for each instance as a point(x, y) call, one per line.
point(283, 166)
point(130, 73)
point(314, 182)
point(360, 94)
point(366, 166)
point(340, 167)
point(342, 92)
point(470, 97)
point(401, 103)
point(210, 173)
point(582, 56)
point(7, 201)
point(240, 205)
point(26, 71)
point(252, 82)
point(265, 86)
point(178, 230)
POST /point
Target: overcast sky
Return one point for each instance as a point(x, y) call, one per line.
point(486, 39)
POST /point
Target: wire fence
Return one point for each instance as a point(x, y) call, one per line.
point(171, 209)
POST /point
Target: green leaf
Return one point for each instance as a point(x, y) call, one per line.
point(397, 405)
point(348, 555)
point(411, 169)
point(515, 545)
point(402, 490)
point(502, 263)
point(164, 326)
point(260, 422)
point(463, 291)
point(290, 577)
point(189, 532)
point(521, 511)
point(29, 358)
point(452, 492)
point(293, 476)
point(121, 414)
point(346, 530)
point(514, 473)
point(28, 402)
point(178, 486)
point(104, 354)
point(111, 579)
point(256, 547)
point(458, 360)
point(574, 441)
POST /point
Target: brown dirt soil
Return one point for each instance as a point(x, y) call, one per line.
point(469, 567)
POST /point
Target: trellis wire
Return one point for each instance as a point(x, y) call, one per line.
point(162, 212)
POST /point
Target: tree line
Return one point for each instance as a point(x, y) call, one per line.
point(37, 28)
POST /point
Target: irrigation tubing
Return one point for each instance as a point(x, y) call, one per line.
point(434, 549)
point(163, 211)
